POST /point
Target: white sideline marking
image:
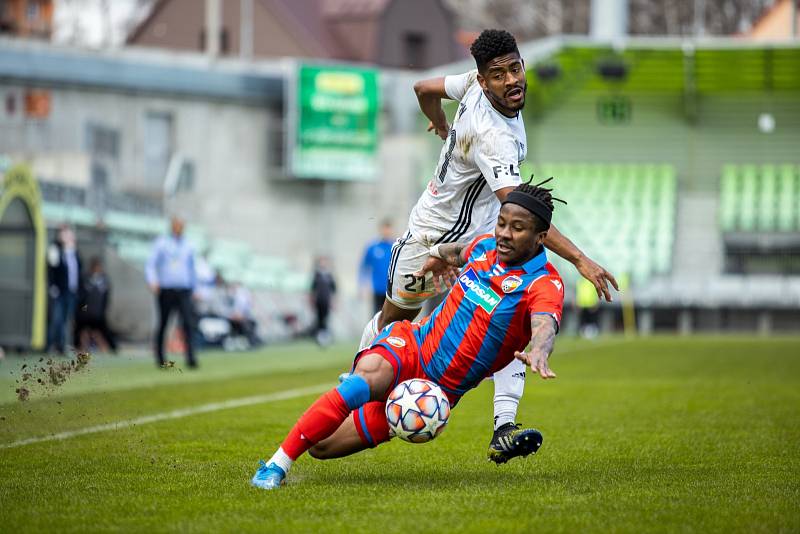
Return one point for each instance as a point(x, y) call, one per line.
point(216, 406)
point(175, 414)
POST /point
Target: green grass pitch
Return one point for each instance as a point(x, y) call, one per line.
point(660, 434)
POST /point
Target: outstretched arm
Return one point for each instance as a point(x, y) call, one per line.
point(543, 337)
point(589, 269)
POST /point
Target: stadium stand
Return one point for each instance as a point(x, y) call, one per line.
point(764, 198)
point(134, 223)
point(57, 213)
point(621, 214)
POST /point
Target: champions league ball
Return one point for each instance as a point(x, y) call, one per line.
point(417, 410)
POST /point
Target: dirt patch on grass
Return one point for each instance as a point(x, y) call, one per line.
point(49, 374)
point(169, 365)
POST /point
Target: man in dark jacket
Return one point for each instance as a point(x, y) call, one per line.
point(93, 300)
point(63, 277)
point(323, 287)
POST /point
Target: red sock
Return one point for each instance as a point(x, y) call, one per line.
point(318, 422)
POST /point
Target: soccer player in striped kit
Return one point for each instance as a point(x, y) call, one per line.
point(506, 295)
point(478, 166)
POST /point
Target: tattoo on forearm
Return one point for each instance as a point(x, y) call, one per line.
point(543, 333)
point(451, 253)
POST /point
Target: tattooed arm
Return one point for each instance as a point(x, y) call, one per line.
point(543, 337)
point(450, 253)
point(444, 262)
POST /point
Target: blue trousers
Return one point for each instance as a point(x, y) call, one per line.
point(62, 311)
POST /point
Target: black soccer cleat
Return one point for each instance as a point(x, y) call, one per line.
point(510, 441)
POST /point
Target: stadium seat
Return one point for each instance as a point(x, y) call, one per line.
point(623, 215)
point(763, 198)
point(67, 213)
point(788, 198)
point(747, 201)
point(143, 225)
point(729, 194)
point(767, 203)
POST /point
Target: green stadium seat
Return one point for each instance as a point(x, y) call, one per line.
point(135, 223)
point(56, 213)
point(788, 212)
point(762, 198)
point(729, 195)
point(622, 215)
point(768, 198)
point(748, 198)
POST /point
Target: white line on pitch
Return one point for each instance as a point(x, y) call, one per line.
point(175, 414)
point(216, 406)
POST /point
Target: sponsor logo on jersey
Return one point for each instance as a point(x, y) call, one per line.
point(396, 342)
point(511, 283)
point(478, 293)
point(558, 285)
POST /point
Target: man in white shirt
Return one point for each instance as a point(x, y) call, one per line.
point(478, 166)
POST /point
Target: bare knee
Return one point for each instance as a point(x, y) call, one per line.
point(320, 451)
point(376, 372)
point(391, 313)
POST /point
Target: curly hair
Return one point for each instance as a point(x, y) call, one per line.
point(539, 202)
point(541, 194)
point(491, 44)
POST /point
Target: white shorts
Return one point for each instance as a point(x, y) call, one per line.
point(405, 290)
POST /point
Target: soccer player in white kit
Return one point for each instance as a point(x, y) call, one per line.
point(478, 166)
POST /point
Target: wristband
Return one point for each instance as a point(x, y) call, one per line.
point(434, 251)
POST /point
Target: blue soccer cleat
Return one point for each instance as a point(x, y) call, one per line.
point(269, 476)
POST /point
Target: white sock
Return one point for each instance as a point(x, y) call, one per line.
point(282, 460)
point(509, 384)
point(370, 332)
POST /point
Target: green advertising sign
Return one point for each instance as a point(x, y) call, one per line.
point(336, 134)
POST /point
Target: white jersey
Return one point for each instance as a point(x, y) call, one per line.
point(481, 155)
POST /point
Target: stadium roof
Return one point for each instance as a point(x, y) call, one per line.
point(139, 70)
point(664, 64)
point(655, 64)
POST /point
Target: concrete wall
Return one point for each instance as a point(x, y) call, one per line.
point(239, 191)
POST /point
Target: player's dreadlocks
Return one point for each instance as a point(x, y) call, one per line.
point(491, 44)
point(536, 199)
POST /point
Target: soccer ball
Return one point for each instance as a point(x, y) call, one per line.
point(417, 410)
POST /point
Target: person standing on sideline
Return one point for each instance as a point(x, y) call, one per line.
point(323, 288)
point(63, 281)
point(93, 302)
point(170, 273)
point(375, 264)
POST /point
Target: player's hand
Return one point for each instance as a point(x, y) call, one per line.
point(154, 289)
point(598, 276)
point(443, 273)
point(442, 131)
point(538, 363)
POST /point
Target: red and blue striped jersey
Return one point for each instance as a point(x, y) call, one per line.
point(486, 316)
